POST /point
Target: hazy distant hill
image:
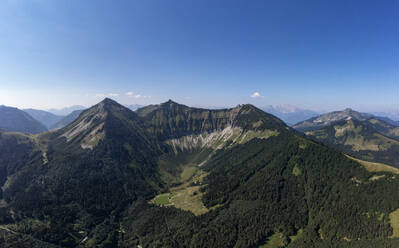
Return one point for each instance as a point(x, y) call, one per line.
point(393, 116)
point(290, 114)
point(134, 107)
point(66, 119)
point(16, 120)
point(66, 111)
point(328, 118)
point(171, 175)
point(387, 119)
point(46, 118)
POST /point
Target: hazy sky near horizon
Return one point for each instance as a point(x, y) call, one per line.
point(315, 54)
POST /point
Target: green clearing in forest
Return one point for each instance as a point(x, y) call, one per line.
point(394, 219)
point(274, 241)
point(296, 171)
point(297, 236)
point(186, 196)
point(376, 167)
point(187, 173)
point(162, 199)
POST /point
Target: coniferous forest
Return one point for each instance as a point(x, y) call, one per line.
point(94, 186)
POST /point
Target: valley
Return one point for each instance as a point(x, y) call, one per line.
point(187, 194)
point(184, 172)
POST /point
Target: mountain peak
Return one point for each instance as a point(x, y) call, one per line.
point(169, 103)
point(332, 117)
point(348, 110)
point(247, 106)
point(108, 101)
point(89, 127)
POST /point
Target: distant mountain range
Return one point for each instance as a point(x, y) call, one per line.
point(387, 117)
point(16, 120)
point(49, 119)
point(46, 118)
point(290, 114)
point(393, 115)
point(65, 120)
point(361, 135)
point(65, 111)
point(134, 107)
point(52, 121)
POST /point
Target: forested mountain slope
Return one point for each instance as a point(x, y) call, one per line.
point(16, 120)
point(98, 182)
point(69, 184)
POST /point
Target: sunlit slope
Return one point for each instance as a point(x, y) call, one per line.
point(359, 139)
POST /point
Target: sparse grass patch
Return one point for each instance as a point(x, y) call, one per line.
point(303, 146)
point(162, 199)
point(297, 236)
point(394, 220)
point(249, 135)
point(186, 196)
point(296, 171)
point(274, 241)
point(187, 173)
point(375, 167)
point(376, 177)
point(189, 198)
point(381, 216)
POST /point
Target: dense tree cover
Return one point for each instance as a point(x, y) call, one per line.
point(257, 195)
point(100, 197)
point(78, 191)
point(11, 240)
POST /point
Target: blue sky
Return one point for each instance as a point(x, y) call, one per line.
point(314, 54)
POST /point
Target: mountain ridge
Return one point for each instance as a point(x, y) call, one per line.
point(16, 120)
point(170, 116)
point(364, 136)
point(97, 182)
point(46, 118)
